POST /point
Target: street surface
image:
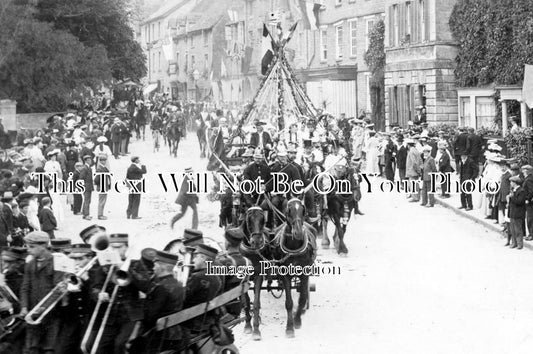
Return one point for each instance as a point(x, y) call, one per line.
point(416, 280)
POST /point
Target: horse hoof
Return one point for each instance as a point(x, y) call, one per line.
point(297, 323)
point(256, 335)
point(289, 333)
point(247, 329)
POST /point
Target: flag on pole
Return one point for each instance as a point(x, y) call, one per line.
point(527, 88)
point(167, 49)
point(309, 13)
point(291, 32)
point(268, 50)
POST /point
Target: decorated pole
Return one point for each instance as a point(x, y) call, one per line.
point(281, 119)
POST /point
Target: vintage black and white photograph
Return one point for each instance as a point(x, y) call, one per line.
point(266, 176)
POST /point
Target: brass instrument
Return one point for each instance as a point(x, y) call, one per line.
point(47, 304)
point(89, 330)
point(99, 242)
point(183, 269)
point(122, 276)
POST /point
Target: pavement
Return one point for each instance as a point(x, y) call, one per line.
point(416, 280)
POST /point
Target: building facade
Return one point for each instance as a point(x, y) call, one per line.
point(420, 61)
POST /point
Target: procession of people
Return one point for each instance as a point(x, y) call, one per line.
point(75, 146)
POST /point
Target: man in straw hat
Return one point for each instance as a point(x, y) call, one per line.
point(102, 181)
point(39, 278)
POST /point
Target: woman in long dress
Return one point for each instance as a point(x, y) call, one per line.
point(52, 166)
point(372, 154)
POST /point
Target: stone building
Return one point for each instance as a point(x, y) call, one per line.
point(330, 60)
point(420, 54)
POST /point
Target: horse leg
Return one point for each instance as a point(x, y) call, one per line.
point(248, 325)
point(342, 250)
point(256, 333)
point(289, 331)
point(302, 300)
point(325, 240)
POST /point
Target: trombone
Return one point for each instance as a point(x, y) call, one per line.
point(47, 304)
point(121, 277)
point(38, 313)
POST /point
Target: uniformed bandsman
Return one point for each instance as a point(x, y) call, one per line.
point(76, 308)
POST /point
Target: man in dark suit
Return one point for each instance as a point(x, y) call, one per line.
point(460, 145)
point(527, 172)
point(7, 215)
point(261, 138)
point(258, 168)
point(46, 218)
point(86, 175)
point(468, 171)
point(517, 212)
point(475, 145)
point(78, 199)
point(133, 176)
point(186, 199)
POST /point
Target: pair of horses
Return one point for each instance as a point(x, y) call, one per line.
point(291, 243)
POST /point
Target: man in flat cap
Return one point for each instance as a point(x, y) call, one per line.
point(134, 175)
point(39, 279)
point(517, 211)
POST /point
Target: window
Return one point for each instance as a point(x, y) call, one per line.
point(353, 38)
point(206, 37)
point(408, 20)
point(323, 44)
point(186, 67)
point(153, 62)
point(192, 41)
point(193, 62)
point(206, 59)
point(159, 30)
point(229, 33)
point(422, 14)
point(369, 26)
point(146, 39)
point(159, 61)
point(396, 25)
point(177, 62)
point(338, 41)
point(153, 31)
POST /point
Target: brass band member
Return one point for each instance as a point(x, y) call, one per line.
point(60, 245)
point(13, 269)
point(127, 308)
point(77, 307)
point(39, 279)
point(165, 297)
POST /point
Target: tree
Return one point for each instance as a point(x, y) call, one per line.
point(45, 66)
point(495, 41)
point(375, 59)
point(100, 22)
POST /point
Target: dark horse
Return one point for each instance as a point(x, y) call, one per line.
point(139, 122)
point(173, 136)
point(255, 248)
point(294, 244)
point(340, 207)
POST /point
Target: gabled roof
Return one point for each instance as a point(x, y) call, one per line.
point(166, 9)
point(211, 11)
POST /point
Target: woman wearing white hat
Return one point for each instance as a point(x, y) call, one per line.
point(103, 149)
point(52, 166)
